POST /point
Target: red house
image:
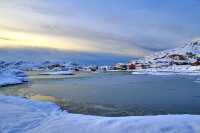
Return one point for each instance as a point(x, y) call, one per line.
point(131, 66)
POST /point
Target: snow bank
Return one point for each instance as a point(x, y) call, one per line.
point(24, 116)
point(58, 73)
point(172, 70)
point(165, 73)
point(7, 80)
point(9, 77)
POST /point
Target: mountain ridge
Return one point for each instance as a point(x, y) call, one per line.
point(188, 54)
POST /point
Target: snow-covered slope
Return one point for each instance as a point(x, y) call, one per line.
point(188, 54)
point(24, 116)
point(46, 65)
point(13, 76)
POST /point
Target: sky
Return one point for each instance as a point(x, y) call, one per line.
point(132, 28)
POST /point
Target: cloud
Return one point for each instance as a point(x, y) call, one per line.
point(126, 28)
point(43, 54)
point(5, 38)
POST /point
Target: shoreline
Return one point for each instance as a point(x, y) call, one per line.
point(88, 108)
point(51, 119)
point(25, 115)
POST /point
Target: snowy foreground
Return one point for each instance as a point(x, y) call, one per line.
point(19, 115)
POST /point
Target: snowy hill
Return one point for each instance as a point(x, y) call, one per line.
point(188, 54)
point(46, 65)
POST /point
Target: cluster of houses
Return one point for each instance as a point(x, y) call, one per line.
point(168, 60)
point(128, 66)
point(188, 59)
point(157, 62)
point(59, 66)
point(132, 65)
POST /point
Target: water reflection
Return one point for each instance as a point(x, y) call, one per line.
point(114, 94)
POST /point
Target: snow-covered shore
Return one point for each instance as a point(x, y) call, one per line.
point(69, 72)
point(10, 77)
point(19, 115)
point(184, 60)
point(171, 70)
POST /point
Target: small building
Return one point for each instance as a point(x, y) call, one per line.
point(56, 66)
point(179, 62)
point(131, 66)
point(145, 66)
point(91, 68)
point(121, 66)
point(105, 68)
point(196, 63)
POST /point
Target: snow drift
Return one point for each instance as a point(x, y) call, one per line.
point(19, 115)
point(13, 76)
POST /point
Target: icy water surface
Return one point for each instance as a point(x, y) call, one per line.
point(115, 94)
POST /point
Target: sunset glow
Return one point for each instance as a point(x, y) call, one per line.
point(138, 31)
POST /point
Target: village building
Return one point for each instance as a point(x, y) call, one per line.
point(131, 66)
point(197, 62)
point(120, 66)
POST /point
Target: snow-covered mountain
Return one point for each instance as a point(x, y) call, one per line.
point(46, 65)
point(188, 54)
